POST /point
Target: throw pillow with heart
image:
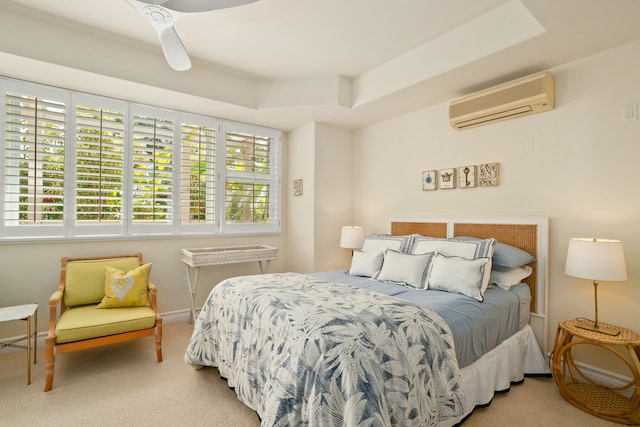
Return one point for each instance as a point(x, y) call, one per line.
point(126, 289)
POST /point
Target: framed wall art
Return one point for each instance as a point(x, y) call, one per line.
point(467, 176)
point(429, 180)
point(297, 187)
point(488, 174)
point(447, 178)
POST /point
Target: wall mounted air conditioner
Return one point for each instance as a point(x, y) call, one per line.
point(533, 94)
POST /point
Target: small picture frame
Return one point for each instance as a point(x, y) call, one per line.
point(429, 180)
point(297, 187)
point(467, 176)
point(488, 174)
point(447, 178)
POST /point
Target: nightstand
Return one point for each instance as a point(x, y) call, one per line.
point(584, 392)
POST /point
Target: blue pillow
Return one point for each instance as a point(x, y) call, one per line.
point(505, 257)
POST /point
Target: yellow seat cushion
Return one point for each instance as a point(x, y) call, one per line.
point(84, 282)
point(129, 289)
point(82, 322)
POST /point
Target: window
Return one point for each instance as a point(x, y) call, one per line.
point(99, 166)
point(152, 167)
point(197, 174)
point(34, 162)
point(251, 178)
point(82, 165)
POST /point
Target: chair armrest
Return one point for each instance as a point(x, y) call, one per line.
point(54, 300)
point(153, 290)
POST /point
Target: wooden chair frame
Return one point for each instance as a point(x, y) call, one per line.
point(57, 299)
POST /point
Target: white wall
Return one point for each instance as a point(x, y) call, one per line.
point(320, 155)
point(334, 196)
point(301, 214)
point(577, 164)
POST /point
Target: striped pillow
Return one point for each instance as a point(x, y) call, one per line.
point(382, 242)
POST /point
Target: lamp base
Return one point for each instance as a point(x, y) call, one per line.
point(591, 326)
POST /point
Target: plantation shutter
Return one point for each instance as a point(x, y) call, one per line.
point(77, 165)
point(197, 174)
point(34, 160)
point(153, 167)
point(251, 184)
point(99, 166)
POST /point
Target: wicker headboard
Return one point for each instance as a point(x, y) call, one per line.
point(529, 234)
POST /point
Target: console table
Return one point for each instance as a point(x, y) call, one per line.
point(203, 257)
point(28, 312)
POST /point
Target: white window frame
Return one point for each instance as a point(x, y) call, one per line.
point(151, 228)
point(76, 229)
point(213, 225)
point(273, 179)
point(38, 91)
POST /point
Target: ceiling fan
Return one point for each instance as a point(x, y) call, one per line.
point(163, 13)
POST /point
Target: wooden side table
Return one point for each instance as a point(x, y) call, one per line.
point(586, 393)
point(28, 312)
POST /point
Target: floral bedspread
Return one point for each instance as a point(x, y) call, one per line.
point(302, 351)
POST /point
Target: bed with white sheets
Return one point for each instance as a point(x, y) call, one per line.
point(428, 323)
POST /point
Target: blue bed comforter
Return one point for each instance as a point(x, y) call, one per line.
point(304, 351)
point(477, 327)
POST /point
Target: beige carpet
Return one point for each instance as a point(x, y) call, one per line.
point(123, 385)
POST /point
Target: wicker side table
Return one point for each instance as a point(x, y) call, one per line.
point(202, 257)
point(586, 393)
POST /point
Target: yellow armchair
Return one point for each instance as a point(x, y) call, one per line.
point(80, 325)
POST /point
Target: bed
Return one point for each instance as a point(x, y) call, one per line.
point(331, 348)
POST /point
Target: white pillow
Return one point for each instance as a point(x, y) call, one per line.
point(405, 269)
point(382, 242)
point(458, 247)
point(513, 276)
point(469, 249)
point(365, 264)
point(458, 275)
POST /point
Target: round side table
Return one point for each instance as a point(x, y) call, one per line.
point(586, 393)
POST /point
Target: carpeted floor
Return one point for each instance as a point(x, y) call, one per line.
point(123, 385)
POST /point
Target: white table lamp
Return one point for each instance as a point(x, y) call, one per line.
point(352, 237)
point(596, 259)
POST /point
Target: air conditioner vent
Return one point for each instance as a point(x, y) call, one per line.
point(530, 95)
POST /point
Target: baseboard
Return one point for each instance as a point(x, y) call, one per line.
point(600, 376)
point(606, 378)
point(177, 316)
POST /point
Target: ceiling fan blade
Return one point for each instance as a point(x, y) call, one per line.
point(191, 6)
point(173, 49)
point(162, 20)
point(163, 13)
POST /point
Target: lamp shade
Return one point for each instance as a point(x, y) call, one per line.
point(352, 237)
point(596, 259)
